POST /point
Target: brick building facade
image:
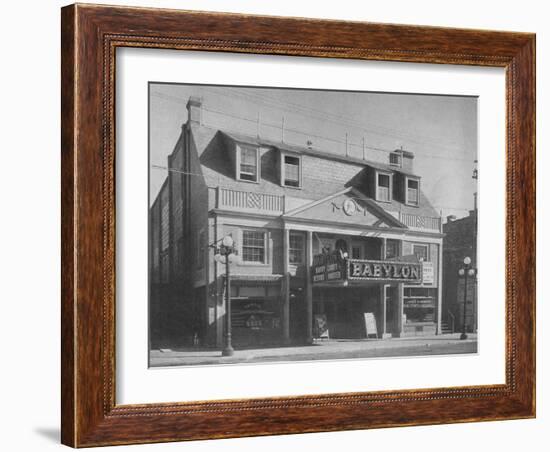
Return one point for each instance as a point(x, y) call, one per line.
point(319, 237)
point(459, 242)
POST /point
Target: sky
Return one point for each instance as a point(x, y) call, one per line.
point(441, 131)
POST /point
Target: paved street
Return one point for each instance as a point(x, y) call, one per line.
point(329, 349)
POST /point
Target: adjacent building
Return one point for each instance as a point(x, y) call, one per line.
point(460, 241)
point(327, 245)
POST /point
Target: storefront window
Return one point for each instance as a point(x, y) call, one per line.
point(255, 320)
point(253, 246)
point(296, 248)
point(419, 304)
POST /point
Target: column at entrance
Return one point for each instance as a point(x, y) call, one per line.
point(309, 288)
point(286, 289)
point(383, 333)
point(398, 303)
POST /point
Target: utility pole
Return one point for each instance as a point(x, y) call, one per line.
point(475, 175)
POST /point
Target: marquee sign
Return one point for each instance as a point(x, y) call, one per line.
point(384, 270)
point(334, 268)
point(328, 267)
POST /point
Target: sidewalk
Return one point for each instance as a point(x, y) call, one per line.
point(327, 349)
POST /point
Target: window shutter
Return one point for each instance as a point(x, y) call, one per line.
point(237, 162)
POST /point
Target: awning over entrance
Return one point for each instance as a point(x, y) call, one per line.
point(255, 279)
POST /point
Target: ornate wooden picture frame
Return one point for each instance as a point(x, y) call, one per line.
point(90, 37)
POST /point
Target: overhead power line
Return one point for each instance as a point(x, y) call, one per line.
point(348, 143)
point(325, 116)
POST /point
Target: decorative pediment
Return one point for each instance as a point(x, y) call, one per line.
point(348, 207)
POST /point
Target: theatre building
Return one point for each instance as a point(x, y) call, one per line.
point(326, 245)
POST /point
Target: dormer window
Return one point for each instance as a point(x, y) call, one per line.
point(413, 186)
point(383, 187)
point(291, 171)
point(247, 163)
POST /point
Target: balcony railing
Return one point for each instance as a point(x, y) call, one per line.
point(420, 222)
point(275, 204)
point(251, 201)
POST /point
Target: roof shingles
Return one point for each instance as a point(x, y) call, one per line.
point(323, 173)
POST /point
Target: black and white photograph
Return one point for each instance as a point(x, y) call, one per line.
point(292, 224)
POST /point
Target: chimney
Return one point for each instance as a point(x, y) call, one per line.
point(194, 110)
point(401, 159)
point(407, 162)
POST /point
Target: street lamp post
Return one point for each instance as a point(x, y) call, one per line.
point(465, 271)
point(224, 255)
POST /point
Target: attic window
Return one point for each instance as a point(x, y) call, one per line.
point(383, 187)
point(412, 191)
point(395, 159)
point(247, 163)
point(291, 171)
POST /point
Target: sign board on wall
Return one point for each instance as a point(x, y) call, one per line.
point(428, 274)
point(327, 267)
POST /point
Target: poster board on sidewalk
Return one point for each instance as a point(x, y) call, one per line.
point(370, 324)
point(320, 327)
